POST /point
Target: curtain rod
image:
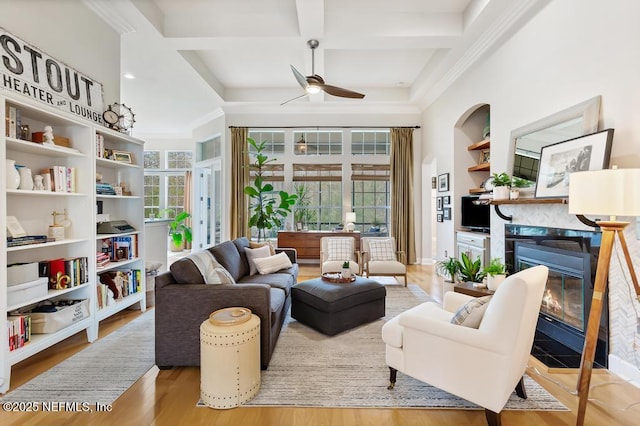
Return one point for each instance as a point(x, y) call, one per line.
point(326, 127)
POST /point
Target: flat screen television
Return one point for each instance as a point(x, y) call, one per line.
point(476, 217)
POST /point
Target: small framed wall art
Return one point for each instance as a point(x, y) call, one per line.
point(439, 203)
point(443, 182)
point(439, 217)
point(447, 200)
point(485, 156)
point(447, 213)
point(122, 156)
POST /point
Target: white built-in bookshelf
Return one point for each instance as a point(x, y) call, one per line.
point(34, 208)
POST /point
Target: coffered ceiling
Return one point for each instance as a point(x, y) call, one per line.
point(193, 59)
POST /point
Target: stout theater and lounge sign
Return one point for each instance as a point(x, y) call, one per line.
point(26, 70)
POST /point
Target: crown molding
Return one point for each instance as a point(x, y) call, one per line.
point(506, 22)
point(110, 15)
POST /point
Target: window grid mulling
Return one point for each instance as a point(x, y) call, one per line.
point(370, 142)
point(320, 142)
point(151, 195)
point(274, 141)
point(180, 160)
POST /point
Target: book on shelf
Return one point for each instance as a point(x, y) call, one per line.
point(59, 179)
point(118, 284)
point(99, 145)
point(65, 272)
point(120, 248)
point(18, 331)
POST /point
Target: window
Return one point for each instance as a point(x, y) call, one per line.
point(274, 141)
point(151, 195)
point(317, 143)
point(323, 185)
point(370, 142)
point(164, 188)
point(371, 198)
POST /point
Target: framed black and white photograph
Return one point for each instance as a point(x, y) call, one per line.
point(439, 217)
point(447, 200)
point(439, 203)
point(558, 161)
point(446, 213)
point(443, 182)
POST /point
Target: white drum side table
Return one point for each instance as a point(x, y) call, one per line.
point(229, 358)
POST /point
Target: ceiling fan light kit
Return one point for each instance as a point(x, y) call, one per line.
point(313, 83)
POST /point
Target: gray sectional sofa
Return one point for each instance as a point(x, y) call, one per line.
point(184, 301)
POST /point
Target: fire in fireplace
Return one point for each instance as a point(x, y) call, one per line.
point(571, 256)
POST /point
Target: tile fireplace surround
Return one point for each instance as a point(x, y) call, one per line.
point(623, 321)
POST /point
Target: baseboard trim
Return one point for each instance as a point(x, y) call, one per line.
point(624, 369)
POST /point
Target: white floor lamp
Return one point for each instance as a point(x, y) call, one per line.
point(611, 192)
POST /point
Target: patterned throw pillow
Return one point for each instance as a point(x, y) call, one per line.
point(340, 249)
point(471, 313)
point(382, 250)
point(271, 264)
point(253, 254)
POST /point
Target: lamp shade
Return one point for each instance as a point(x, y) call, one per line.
point(610, 192)
point(350, 217)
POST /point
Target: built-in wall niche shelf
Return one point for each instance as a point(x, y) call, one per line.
point(483, 144)
point(497, 203)
point(484, 167)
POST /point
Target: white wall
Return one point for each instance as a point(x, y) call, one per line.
point(571, 51)
point(71, 33)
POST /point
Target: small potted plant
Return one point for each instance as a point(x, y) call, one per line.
point(346, 269)
point(501, 185)
point(517, 185)
point(470, 270)
point(496, 272)
point(179, 232)
point(448, 269)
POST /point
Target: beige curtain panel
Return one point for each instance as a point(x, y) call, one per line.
point(239, 180)
point(402, 216)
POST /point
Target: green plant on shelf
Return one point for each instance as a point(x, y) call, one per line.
point(501, 179)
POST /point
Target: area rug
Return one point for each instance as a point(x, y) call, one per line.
point(348, 370)
point(101, 372)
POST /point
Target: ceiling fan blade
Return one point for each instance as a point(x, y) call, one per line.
point(293, 99)
point(339, 91)
point(300, 77)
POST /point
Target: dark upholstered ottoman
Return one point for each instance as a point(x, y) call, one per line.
point(332, 308)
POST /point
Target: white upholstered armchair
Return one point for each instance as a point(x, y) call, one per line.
point(482, 365)
point(334, 251)
point(381, 258)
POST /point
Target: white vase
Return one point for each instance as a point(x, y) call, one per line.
point(514, 194)
point(13, 177)
point(494, 281)
point(501, 193)
point(346, 272)
point(26, 180)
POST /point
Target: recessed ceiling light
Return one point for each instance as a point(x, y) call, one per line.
point(129, 76)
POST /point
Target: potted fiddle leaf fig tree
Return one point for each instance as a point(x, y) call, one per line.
point(266, 210)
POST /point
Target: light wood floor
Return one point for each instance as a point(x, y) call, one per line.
point(168, 397)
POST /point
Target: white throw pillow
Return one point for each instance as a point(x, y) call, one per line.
point(340, 249)
point(382, 250)
point(271, 264)
point(471, 313)
point(256, 253)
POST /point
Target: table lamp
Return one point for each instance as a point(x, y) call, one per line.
point(349, 218)
point(611, 192)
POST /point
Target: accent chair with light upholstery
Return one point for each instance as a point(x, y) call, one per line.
point(381, 258)
point(480, 357)
point(334, 251)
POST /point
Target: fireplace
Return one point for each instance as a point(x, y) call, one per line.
point(571, 256)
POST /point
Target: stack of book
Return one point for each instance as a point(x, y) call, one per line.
point(122, 284)
point(102, 260)
point(59, 179)
point(19, 331)
point(26, 240)
point(105, 189)
point(121, 248)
